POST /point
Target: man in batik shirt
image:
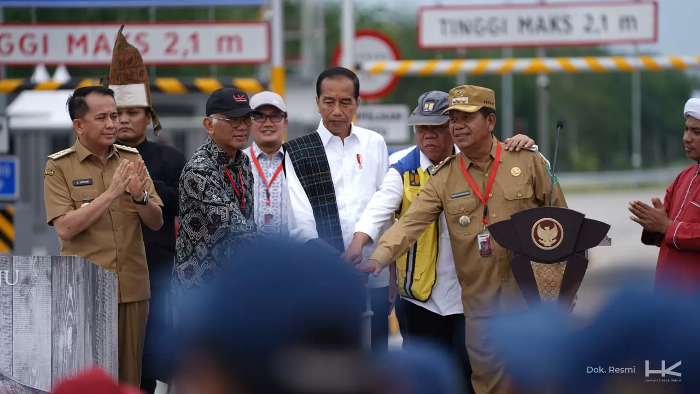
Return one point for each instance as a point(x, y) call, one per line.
point(216, 194)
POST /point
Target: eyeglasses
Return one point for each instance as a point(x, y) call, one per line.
point(275, 118)
point(235, 122)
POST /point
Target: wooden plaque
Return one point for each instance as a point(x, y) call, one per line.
point(58, 316)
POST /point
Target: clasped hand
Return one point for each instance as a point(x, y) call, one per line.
point(654, 219)
point(129, 177)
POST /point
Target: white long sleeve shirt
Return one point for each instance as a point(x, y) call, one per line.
point(446, 296)
point(355, 184)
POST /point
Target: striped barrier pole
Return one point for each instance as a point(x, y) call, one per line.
point(157, 85)
point(530, 65)
point(7, 230)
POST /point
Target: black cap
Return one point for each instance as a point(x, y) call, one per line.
point(230, 102)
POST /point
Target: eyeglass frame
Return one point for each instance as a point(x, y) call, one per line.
point(265, 117)
point(229, 120)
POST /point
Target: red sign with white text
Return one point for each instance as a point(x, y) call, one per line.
point(159, 43)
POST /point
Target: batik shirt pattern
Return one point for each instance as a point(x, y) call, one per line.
point(213, 225)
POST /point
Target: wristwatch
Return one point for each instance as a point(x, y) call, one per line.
point(144, 201)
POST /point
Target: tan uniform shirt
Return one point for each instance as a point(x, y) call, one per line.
point(488, 284)
point(115, 242)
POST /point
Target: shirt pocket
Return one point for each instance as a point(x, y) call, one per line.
point(693, 211)
point(456, 209)
point(128, 206)
point(517, 198)
point(83, 194)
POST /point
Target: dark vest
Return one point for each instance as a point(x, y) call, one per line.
point(308, 157)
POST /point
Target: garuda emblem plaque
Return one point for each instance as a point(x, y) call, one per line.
point(549, 240)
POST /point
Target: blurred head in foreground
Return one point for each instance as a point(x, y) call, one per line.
point(93, 380)
point(624, 350)
point(285, 318)
point(419, 368)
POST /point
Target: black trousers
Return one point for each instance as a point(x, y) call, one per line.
point(416, 322)
point(157, 362)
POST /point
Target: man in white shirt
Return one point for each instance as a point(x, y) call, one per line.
point(266, 157)
point(332, 174)
point(430, 306)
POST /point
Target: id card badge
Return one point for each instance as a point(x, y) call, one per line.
point(485, 249)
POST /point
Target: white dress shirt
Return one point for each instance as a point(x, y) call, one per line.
point(446, 298)
point(270, 219)
point(354, 187)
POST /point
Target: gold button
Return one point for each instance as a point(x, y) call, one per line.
point(493, 215)
point(520, 195)
point(504, 280)
point(113, 208)
point(490, 195)
point(486, 175)
point(461, 209)
point(84, 194)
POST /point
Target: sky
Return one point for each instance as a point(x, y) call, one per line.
point(677, 21)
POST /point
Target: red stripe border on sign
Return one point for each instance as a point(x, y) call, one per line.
point(174, 62)
point(421, 9)
point(376, 34)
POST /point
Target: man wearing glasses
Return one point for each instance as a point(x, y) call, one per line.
point(266, 157)
point(216, 194)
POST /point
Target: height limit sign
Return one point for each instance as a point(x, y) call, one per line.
point(372, 46)
point(531, 25)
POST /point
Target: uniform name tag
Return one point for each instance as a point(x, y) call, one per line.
point(461, 194)
point(82, 182)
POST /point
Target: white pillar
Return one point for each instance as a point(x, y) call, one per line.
point(506, 113)
point(348, 34)
point(278, 70)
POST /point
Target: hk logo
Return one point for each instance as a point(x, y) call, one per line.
point(663, 371)
point(239, 97)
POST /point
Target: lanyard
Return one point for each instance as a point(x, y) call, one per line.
point(241, 196)
point(262, 174)
point(492, 177)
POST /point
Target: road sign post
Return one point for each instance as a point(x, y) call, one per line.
point(9, 178)
point(4, 133)
point(372, 45)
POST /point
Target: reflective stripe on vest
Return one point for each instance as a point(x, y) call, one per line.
point(417, 269)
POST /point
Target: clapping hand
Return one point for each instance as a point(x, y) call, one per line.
point(138, 180)
point(654, 219)
point(120, 180)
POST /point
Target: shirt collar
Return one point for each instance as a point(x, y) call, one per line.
point(326, 135)
point(142, 145)
point(221, 157)
point(425, 162)
point(84, 153)
point(494, 141)
point(257, 151)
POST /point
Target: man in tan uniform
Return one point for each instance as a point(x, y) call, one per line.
point(96, 193)
point(483, 184)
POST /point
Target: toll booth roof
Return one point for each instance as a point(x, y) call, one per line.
point(40, 110)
